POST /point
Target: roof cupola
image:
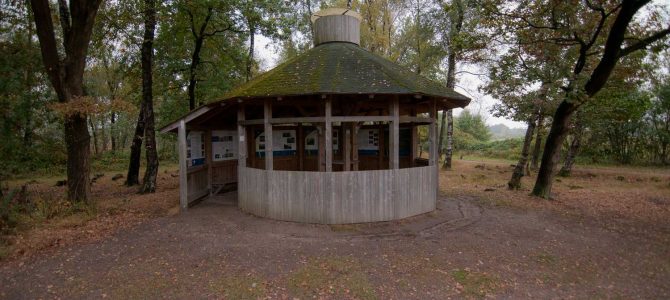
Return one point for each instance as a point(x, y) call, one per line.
point(336, 25)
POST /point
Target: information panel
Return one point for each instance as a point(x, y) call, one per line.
point(368, 139)
point(224, 145)
point(312, 141)
point(283, 142)
point(195, 151)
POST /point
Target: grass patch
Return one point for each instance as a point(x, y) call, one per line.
point(546, 259)
point(239, 287)
point(474, 284)
point(333, 277)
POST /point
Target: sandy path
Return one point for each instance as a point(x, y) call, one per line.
point(216, 251)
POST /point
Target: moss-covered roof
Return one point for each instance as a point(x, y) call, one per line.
point(342, 68)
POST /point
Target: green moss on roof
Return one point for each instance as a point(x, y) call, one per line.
point(341, 68)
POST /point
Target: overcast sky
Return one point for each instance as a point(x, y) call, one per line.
point(468, 84)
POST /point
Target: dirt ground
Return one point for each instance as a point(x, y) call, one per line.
point(606, 235)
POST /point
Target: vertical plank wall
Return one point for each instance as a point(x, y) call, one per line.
point(197, 183)
point(338, 197)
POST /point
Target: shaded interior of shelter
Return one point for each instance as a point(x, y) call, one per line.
point(357, 145)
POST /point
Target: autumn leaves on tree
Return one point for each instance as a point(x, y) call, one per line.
point(115, 71)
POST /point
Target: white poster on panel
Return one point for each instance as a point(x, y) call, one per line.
point(312, 140)
point(282, 140)
point(368, 139)
point(195, 151)
point(224, 145)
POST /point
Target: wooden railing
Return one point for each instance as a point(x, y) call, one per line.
point(197, 183)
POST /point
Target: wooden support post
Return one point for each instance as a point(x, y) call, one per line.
point(329, 135)
point(432, 136)
point(415, 141)
point(183, 179)
point(241, 140)
point(394, 134)
point(346, 150)
point(354, 144)
point(208, 159)
point(320, 133)
point(382, 148)
point(267, 115)
point(251, 146)
point(300, 140)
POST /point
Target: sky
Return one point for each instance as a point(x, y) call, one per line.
point(468, 84)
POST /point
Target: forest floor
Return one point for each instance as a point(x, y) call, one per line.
point(606, 235)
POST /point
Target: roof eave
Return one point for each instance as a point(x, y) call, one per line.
point(187, 118)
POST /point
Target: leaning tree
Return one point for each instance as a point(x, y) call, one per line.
point(600, 33)
point(66, 73)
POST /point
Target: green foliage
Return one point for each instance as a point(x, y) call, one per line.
point(31, 133)
point(472, 125)
point(626, 123)
point(472, 137)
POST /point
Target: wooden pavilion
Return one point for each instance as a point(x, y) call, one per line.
point(328, 137)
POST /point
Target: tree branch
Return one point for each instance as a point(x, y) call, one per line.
point(643, 43)
point(64, 16)
point(205, 23)
point(612, 49)
point(48, 47)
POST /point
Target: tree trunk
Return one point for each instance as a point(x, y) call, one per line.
point(612, 52)
point(538, 142)
point(149, 184)
point(112, 130)
point(418, 39)
point(95, 136)
point(515, 182)
point(448, 154)
point(457, 24)
point(133, 176)
point(440, 136)
point(29, 80)
point(250, 57)
point(573, 150)
point(551, 149)
point(67, 77)
point(78, 148)
point(103, 135)
point(193, 80)
point(198, 41)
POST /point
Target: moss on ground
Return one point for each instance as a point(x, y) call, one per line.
point(474, 284)
point(336, 277)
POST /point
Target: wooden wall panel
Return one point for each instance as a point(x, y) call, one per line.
point(338, 197)
point(197, 183)
point(224, 172)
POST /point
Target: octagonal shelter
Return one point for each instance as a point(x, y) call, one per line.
point(329, 137)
